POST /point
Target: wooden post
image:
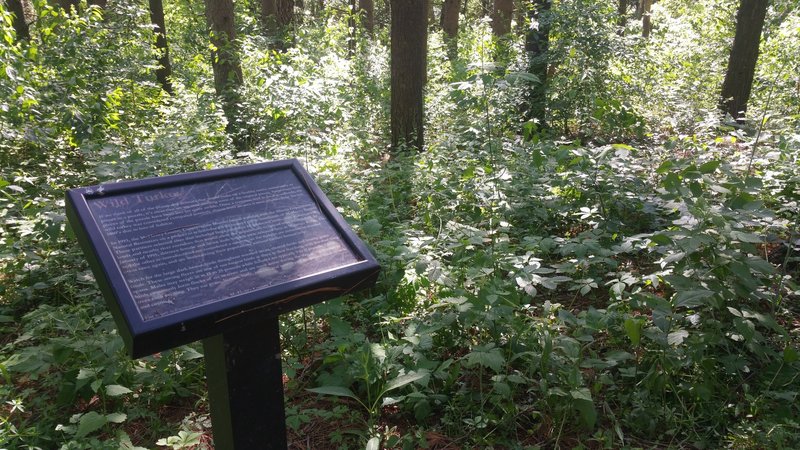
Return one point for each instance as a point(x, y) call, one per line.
point(245, 386)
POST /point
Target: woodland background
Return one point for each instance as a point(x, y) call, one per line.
point(586, 212)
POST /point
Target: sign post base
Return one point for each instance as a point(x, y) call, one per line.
point(245, 384)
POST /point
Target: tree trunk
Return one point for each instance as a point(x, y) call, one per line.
point(367, 10)
point(409, 38)
point(501, 17)
point(225, 58)
point(285, 12)
point(537, 42)
point(744, 55)
point(622, 16)
point(647, 26)
point(19, 23)
point(450, 9)
point(164, 72)
point(351, 28)
point(269, 17)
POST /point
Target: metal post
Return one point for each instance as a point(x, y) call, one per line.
point(245, 385)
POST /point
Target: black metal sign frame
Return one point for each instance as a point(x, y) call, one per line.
point(148, 332)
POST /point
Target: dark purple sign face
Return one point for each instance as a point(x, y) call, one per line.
point(188, 256)
point(187, 246)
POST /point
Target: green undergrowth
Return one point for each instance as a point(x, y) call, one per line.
point(628, 278)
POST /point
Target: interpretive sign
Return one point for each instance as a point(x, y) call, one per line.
point(185, 257)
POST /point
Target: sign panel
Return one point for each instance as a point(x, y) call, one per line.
point(185, 257)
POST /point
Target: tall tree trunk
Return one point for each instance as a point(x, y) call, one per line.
point(164, 72)
point(537, 42)
point(501, 17)
point(351, 28)
point(19, 23)
point(744, 55)
point(285, 12)
point(622, 16)
point(450, 9)
point(367, 10)
point(647, 25)
point(225, 59)
point(269, 17)
point(409, 38)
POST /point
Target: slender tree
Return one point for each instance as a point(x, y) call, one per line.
point(225, 58)
point(622, 16)
point(450, 9)
point(269, 17)
point(164, 72)
point(501, 17)
point(744, 55)
point(352, 12)
point(409, 37)
point(537, 42)
point(647, 25)
point(19, 23)
point(285, 12)
point(366, 9)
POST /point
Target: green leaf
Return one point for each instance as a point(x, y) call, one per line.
point(374, 443)
point(790, 354)
point(633, 328)
point(116, 417)
point(581, 394)
point(89, 422)
point(677, 337)
point(333, 390)
point(709, 167)
point(661, 239)
point(115, 390)
point(585, 405)
point(691, 298)
point(490, 357)
point(371, 227)
point(760, 265)
point(745, 237)
point(403, 380)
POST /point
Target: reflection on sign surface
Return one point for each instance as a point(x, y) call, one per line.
point(187, 246)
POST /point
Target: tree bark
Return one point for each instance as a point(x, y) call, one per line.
point(622, 15)
point(450, 9)
point(19, 22)
point(351, 28)
point(225, 58)
point(269, 17)
point(409, 38)
point(164, 72)
point(501, 17)
point(647, 25)
point(367, 10)
point(285, 10)
point(744, 55)
point(537, 43)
